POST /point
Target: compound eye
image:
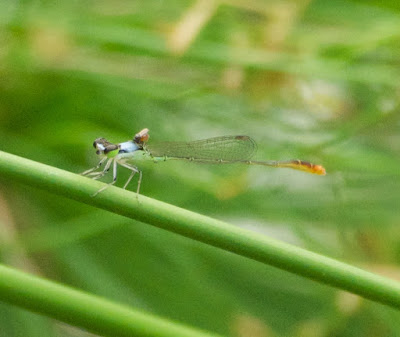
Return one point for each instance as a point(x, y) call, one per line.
point(98, 141)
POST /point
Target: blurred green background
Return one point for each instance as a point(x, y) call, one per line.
point(316, 80)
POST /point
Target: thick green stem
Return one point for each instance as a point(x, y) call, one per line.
point(204, 229)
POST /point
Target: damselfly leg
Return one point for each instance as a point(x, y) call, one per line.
point(114, 177)
point(100, 174)
point(85, 173)
point(134, 171)
point(114, 162)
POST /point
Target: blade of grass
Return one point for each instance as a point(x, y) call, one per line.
point(202, 228)
point(90, 312)
point(255, 58)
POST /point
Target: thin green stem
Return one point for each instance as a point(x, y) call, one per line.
point(202, 228)
point(90, 312)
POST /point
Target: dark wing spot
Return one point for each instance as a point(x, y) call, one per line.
point(242, 137)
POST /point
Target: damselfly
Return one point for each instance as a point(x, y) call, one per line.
point(217, 150)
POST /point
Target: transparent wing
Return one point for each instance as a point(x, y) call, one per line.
point(226, 148)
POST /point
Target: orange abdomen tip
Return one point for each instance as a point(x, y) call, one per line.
point(304, 166)
point(319, 169)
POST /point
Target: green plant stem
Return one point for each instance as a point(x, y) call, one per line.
point(90, 312)
point(202, 228)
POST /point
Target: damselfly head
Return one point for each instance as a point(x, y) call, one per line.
point(103, 146)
